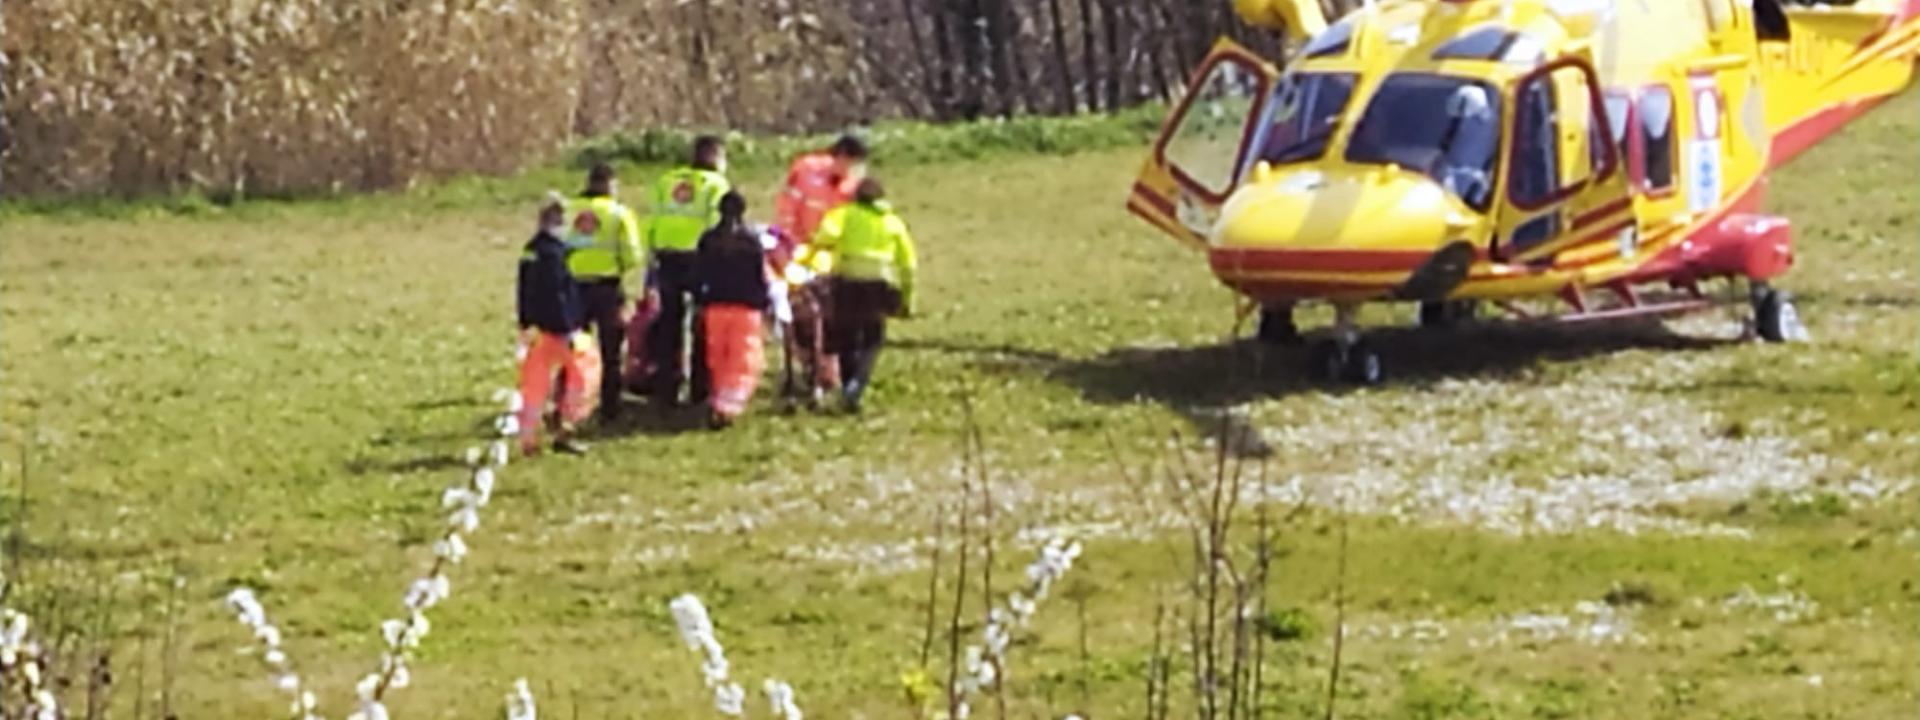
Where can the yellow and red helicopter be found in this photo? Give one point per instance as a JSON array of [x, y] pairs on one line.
[[1610, 153]]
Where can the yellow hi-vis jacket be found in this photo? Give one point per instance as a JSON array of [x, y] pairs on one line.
[[865, 241], [604, 242], [685, 203]]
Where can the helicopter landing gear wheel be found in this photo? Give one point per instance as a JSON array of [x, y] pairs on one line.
[[1447, 313], [1774, 317], [1345, 357], [1336, 362]]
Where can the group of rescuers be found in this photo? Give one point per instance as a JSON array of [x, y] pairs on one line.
[[599, 281]]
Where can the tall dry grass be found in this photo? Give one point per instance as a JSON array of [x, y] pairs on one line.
[[275, 97]]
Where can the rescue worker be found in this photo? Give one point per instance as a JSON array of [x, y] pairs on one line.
[[872, 265], [731, 272], [552, 315], [817, 182], [604, 249], [685, 203]]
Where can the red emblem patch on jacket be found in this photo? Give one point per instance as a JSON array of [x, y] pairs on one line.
[[586, 223]]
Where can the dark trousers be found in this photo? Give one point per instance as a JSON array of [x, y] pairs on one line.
[[667, 341], [604, 302], [857, 328]]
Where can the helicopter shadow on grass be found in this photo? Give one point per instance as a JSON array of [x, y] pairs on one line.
[[1203, 383]]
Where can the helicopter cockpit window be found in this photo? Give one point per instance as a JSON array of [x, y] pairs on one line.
[[1398, 128], [1656, 137], [1204, 148], [1331, 41], [1535, 176], [1303, 116], [1492, 44], [1561, 137], [1482, 44]]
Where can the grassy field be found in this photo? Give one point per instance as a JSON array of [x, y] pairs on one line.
[[1646, 521]]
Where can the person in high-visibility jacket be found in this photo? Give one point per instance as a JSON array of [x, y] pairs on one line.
[[817, 182], [685, 204], [604, 249], [866, 248], [552, 316]]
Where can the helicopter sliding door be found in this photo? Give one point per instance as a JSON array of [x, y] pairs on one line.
[[1565, 184], [1201, 153]]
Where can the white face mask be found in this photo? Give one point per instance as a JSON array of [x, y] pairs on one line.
[[720, 165], [558, 229]]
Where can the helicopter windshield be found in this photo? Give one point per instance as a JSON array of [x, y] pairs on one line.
[[1457, 149], [1304, 115]]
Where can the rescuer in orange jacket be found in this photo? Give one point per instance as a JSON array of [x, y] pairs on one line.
[[816, 183]]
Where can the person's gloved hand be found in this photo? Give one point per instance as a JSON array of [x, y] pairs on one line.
[[580, 341]]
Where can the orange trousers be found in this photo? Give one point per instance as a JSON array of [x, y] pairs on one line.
[[735, 355], [578, 366]]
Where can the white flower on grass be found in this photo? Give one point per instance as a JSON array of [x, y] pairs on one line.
[[45, 705], [780, 697], [715, 667], [520, 702], [465, 519], [458, 497], [730, 699], [1022, 607], [983, 662], [695, 626], [241, 600], [482, 486], [417, 627], [451, 548], [369, 710], [393, 631], [427, 592], [247, 609], [696, 629], [464, 503]]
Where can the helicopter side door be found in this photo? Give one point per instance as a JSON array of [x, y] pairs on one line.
[[1566, 186], [1202, 151]]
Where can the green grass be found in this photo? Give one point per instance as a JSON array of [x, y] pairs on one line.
[[270, 394]]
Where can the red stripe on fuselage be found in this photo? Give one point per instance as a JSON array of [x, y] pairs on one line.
[[1601, 213]]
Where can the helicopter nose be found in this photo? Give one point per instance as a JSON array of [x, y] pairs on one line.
[[1313, 232]]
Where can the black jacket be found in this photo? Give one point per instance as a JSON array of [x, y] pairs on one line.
[[549, 296], [731, 267]]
